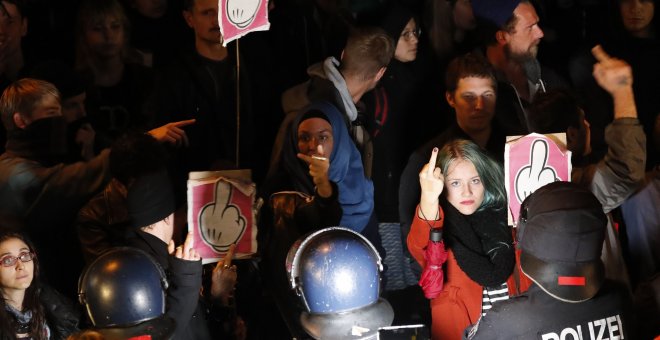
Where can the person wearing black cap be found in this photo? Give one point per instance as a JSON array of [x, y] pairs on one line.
[[150, 204], [561, 232], [511, 36], [620, 173]]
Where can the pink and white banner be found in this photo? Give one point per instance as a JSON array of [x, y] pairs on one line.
[[221, 213], [531, 162], [240, 17]]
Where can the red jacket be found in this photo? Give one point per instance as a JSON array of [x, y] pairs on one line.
[[459, 303]]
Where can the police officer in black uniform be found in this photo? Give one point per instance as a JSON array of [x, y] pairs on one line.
[[561, 233]]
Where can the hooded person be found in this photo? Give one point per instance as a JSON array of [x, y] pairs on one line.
[[561, 233], [354, 189], [319, 182], [150, 205]]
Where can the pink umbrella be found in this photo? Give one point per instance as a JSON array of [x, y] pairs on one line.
[[435, 255]]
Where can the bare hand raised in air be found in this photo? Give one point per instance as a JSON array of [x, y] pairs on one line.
[[432, 182]]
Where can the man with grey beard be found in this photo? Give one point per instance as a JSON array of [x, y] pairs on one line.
[[511, 36]]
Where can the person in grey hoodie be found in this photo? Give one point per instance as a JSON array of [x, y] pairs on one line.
[[342, 83]]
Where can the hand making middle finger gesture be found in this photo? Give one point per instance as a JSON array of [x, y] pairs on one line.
[[319, 166], [432, 183], [611, 73]]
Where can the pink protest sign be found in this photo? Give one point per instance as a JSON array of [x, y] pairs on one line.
[[531, 162], [220, 213], [240, 17]]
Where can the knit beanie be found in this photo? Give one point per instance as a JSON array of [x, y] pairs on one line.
[[150, 199], [496, 12]]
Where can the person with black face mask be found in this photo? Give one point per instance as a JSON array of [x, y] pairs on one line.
[[40, 193]]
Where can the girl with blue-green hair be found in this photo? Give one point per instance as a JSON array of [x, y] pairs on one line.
[[463, 194]]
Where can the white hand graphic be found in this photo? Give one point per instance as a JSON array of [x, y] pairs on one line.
[[221, 223], [536, 174], [241, 13]]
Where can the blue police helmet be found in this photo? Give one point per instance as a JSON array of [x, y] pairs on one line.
[[123, 292], [335, 270]]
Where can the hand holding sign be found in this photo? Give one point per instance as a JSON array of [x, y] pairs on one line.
[[224, 277], [185, 251], [221, 222], [536, 174]]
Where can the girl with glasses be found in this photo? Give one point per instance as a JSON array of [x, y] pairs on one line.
[[27, 309]]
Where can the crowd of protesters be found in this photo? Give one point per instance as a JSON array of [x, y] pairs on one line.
[[108, 105]]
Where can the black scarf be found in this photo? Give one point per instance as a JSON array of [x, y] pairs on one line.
[[482, 244], [44, 141]]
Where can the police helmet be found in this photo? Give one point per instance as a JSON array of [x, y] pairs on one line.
[[336, 273], [123, 292]]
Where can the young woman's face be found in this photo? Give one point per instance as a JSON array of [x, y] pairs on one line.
[[105, 38], [406, 47], [313, 132], [637, 16], [464, 188], [17, 276]]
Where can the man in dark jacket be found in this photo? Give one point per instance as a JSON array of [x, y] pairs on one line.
[[41, 193], [511, 33], [150, 204], [205, 82], [561, 232], [35, 188]]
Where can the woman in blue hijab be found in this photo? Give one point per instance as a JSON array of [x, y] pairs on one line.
[[323, 125], [318, 182]]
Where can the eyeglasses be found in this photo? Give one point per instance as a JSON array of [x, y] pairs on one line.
[[409, 34], [10, 260]]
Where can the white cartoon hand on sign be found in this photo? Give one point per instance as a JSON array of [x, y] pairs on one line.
[[241, 13], [536, 174], [221, 223]]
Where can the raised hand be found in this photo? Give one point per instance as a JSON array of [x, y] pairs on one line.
[[184, 251], [224, 277], [535, 174], [172, 133], [319, 166], [432, 182], [612, 74], [615, 76]]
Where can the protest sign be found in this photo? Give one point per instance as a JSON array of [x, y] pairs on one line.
[[221, 212], [531, 162]]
